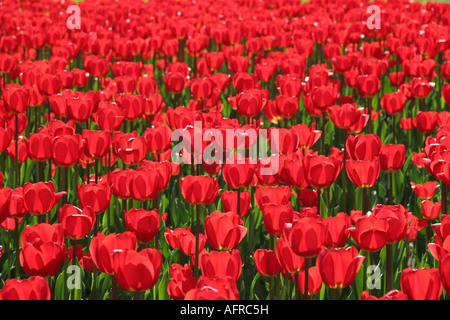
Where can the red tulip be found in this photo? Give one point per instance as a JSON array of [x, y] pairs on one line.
[[44, 232], [174, 82], [199, 190], [344, 116], [392, 157], [15, 207], [224, 230], [280, 195], [324, 97], [424, 191], [131, 149], [158, 139], [426, 121], [363, 173], [294, 173], [230, 202], [336, 234], [393, 103], [109, 116], [126, 84], [184, 239], [421, 88], [79, 107], [307, 136], [363, 147], [40, 198], [266, 262], [338, 267], [391, 295], [396, 216], [94, 195], [66, 150], [221, 263], [76, 223], [181, 281], [421, 284], [137, 271], [39, 146], [314, 281], [39, 258], [289, 261], [145, 184], [430, 210], [286, 106], [442, 229], [16, 98], [34, 288], [201, 88], [251, 103], [5, 195], [214, 288], [49, 84], [322, 171], [6, 136], [444, 269], [144, 224], [305, 236], [103, 247], [407, 123], [367, 85], [96, 143], [275, 216], [370, 233]]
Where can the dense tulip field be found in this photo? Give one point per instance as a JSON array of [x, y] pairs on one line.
[[224, 149]]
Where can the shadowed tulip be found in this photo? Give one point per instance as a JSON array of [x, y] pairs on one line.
[[338, 267], [392, 157], [305, 236], [224, 230], [41, 197], [76, 223], [230, 202], [34, 288], [214, 288], [370, 233], [221, 263], [184, 240], [181, 281], [199, 190], [421, 284], [266, 262], [144, 224], [137, 271], [94, 195], [102, 248]]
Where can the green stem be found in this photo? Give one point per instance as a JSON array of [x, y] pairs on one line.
[[388, 267], [74, 261], [17, 242], [197, 240], [306, 294], [114, 288]]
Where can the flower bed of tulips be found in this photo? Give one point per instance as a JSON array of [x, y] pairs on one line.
[[97, 203]]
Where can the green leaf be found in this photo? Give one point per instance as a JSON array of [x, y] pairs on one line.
[[252, 287], [59, 287]]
